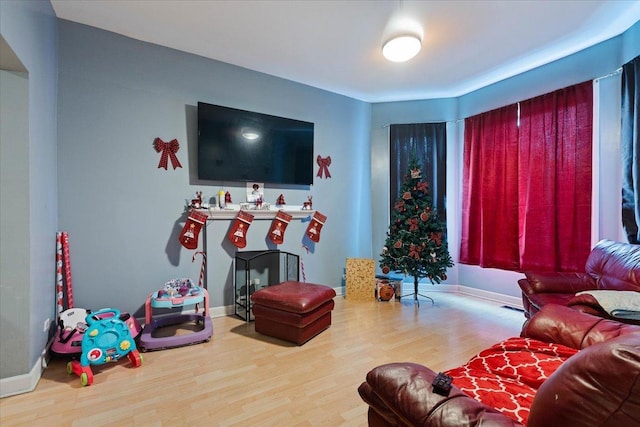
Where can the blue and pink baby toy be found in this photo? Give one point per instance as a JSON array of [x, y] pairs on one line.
[[106, 339]]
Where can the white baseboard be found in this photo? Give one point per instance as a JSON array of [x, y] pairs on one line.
[[508, 300], [23, 383], [225, 310], [495, 297]]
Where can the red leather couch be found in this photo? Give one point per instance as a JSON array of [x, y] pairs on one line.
[[567, 369], [610, 266]]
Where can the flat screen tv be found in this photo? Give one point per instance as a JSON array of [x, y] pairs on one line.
[[238, 145]]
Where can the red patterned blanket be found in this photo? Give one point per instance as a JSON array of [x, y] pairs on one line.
[[507, 375]]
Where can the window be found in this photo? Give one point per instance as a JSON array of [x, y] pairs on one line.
[[428, 141], [527, 183]]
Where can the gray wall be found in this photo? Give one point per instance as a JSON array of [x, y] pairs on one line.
[[27, 286], [124, 215], [14, 244], [630, 42]]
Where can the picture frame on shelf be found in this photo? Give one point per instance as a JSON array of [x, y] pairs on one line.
[[255, 191]]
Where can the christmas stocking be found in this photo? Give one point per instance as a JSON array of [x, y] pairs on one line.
[[238, 233], [279, 224], [191, 230], [313, 230]]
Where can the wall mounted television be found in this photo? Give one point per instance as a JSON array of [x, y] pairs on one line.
[[238, 145]]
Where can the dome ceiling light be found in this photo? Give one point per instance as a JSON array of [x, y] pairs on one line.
[[402, 48]]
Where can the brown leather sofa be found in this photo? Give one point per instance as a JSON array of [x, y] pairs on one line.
[[599, 385], [610, 266]]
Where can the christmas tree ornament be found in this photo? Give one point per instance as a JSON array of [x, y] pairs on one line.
[[238, 233], [191, 230], [278, 226], [385, 292], [416, 240], [168, 150], [316, 224]]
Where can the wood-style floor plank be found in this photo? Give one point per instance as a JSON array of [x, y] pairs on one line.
[[241, 378]]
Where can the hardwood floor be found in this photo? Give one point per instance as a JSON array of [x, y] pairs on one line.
[[241, 378]]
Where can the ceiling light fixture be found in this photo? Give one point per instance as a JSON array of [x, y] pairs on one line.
[[402, 48]]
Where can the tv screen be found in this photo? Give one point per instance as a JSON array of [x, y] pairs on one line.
[[238, 145]]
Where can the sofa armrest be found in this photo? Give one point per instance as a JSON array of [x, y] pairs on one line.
[[402, 395], [575, 329], [563, 283]]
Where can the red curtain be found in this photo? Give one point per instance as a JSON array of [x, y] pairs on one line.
[[527, 190], [490, 190], [555, 183]]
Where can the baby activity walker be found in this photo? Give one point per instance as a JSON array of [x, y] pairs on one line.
[[106, 339], [177, 293]]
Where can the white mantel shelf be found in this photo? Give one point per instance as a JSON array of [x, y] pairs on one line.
[[231, 211]]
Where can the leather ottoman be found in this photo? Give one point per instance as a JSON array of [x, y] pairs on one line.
[[293, 311]]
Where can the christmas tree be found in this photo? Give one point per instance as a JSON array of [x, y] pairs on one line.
[[416, 241]]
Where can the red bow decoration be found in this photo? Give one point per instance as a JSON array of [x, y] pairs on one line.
[[436, 237], [414, 251], [324, 166], [169, 150]]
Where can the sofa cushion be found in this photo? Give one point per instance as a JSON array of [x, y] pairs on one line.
[[617, 304], [540, 300], [563, 325], [606, 375], [507, 375], [293, 297], [552, 282]]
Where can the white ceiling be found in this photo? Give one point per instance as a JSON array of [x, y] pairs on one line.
[[336, 44]]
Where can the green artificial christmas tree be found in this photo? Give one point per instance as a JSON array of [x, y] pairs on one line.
[[416, 242]]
